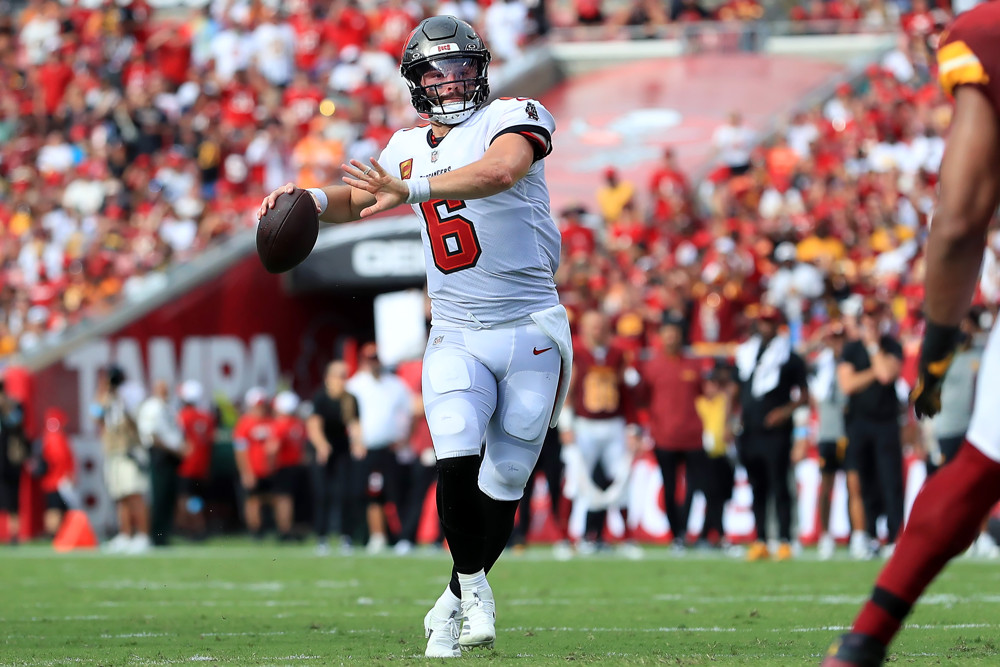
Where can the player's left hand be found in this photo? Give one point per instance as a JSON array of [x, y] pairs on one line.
[[926, 395], [389, 191], [936, 355]]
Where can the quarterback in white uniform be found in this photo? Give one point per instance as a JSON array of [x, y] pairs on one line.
[[499, 354]]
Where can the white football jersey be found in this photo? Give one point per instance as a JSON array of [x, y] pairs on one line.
[[488, 260]]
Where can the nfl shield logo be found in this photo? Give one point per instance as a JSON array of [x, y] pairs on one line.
[[434, 156], [437, 340]]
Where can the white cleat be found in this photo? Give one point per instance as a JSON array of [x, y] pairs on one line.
[[826, 546], [478, 619], [442, 636]]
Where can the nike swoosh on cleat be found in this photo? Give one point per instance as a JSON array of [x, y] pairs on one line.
[[537, 351]]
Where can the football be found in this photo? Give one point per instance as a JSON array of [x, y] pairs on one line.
[[287, 233]]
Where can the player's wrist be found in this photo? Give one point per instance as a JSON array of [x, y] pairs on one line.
[[940, 341], [419, 190], [321, 199]]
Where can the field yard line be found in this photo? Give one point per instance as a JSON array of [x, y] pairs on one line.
[[825, 628], [88, 617], [940, 599], [660, 630], [194, 658]]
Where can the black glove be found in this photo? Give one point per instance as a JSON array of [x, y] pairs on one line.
[[936, 354]]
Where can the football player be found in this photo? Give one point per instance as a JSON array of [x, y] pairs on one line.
[[499, 352], [948, 512], [600, 397]]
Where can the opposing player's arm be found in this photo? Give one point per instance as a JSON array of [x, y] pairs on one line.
[[970, 189]]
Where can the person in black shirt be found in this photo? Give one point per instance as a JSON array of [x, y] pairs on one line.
[[334, 432], [867, 374], [773, 384], [14, 451]]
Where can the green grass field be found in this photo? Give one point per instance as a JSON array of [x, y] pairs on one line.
[[237, 603]]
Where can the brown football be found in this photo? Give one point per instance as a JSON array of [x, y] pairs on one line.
[[287, 233]]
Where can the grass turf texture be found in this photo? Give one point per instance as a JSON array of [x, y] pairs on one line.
[[235, 603]]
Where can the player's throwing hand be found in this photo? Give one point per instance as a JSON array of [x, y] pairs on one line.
[[271, 200]]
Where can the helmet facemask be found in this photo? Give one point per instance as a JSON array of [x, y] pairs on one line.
[[448, 89]]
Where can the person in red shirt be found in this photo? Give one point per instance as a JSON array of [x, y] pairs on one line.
[[577, 238], [51, 81], [288, 440], [57, 470], [171, 46], [672, 382], [138, 72], [239, 102], [392, 26], [255, 464], [669, 188], [600, 396], [301, 101], [198, 427], [919, 20], [347, 25]]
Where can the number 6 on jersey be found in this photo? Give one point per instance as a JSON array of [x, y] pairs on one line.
[[454, 244]]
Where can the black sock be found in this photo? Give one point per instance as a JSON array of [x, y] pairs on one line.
[[461, 514], [499, 517]]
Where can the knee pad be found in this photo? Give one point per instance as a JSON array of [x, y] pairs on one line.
[[526, 409], [505, 480], [506, 469]]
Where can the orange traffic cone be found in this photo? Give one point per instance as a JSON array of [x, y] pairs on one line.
[[75, 533]]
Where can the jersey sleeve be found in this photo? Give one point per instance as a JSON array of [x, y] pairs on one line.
[[527, 117], [958, 64]]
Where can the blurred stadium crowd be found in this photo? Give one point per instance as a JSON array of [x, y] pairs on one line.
[[128, 143], [131, 140]]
